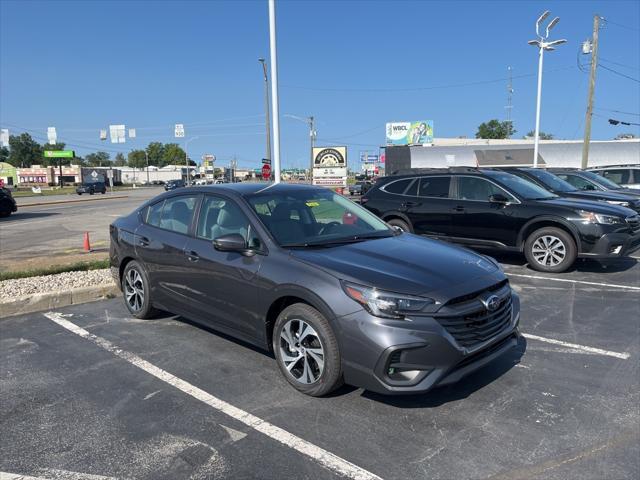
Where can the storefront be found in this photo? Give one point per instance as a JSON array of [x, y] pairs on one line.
[[8, 174]]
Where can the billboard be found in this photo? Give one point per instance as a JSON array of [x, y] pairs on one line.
[[330, 166], [410, 133]]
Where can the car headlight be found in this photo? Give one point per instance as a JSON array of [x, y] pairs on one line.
[[385, 304], [616, 202], [592, 217]]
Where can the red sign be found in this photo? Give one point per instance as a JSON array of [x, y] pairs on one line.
[[266, 171]]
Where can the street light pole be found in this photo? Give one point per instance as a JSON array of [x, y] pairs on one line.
[[274, 91], [146, 155], [542, 45], [266, 108]]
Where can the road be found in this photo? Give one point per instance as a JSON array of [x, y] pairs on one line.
[[41, 232], [89, 389]]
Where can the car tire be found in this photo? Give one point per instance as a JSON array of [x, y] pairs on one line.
[[5, 211], [401, 224], [318, 370], [136, 291], [91, 192], [79, 193], [550, 249]]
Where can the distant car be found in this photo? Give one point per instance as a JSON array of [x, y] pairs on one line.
[[7, 203], [173, 184], [91, 188], [560, 187], [624, 175], [587, 180], [359, 188]]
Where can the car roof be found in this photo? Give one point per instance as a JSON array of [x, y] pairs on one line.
[[249, 188]]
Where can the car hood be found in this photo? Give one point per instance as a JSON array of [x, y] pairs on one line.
[[594, 206], [408, 264], [599, 195]]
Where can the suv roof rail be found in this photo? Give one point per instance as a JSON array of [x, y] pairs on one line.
[[602, 167], [412, 171]]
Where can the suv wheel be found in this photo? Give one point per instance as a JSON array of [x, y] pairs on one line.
[[550, 249], [306, 350], [136, 291], [401, 224]]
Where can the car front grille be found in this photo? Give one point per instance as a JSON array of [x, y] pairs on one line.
[[634, 222], [471, 323]]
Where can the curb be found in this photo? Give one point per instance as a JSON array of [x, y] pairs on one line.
[[52, 300], [56, 202]]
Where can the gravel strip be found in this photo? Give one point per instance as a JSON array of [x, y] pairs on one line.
[[60, 282]]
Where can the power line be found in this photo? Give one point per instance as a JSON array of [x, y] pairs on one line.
[[620, 64], [617, 111], [621, 25], [618, 73], [415, 89]]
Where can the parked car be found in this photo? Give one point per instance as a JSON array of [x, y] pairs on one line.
[[493, 209], [8, 204], [557, 185], [91, 188], [334, 292], [173, 184], [627, 176], [359, 188], [586, 180]]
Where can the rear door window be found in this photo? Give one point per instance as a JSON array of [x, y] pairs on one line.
[[620, 176], [398, 187], [434, 187], [153, 214], [177, 213]]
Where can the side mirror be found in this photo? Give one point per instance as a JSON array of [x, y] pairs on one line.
[[498, 198], [233, 242]]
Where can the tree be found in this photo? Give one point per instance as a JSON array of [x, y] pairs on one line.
[[4, 154], [120, 161], [542, 135], [173, 155], [24, 151], [155, 150], [98, 159], [494, 129], [137, 159]]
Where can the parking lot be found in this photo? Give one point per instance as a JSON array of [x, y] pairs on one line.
[[89, 392]]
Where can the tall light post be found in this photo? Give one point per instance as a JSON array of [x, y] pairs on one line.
[[312, 136], [146, 156], [266, 107], [542, 45], [274, 91], [186, 154]]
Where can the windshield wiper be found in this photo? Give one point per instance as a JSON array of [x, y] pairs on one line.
[[336, 241]]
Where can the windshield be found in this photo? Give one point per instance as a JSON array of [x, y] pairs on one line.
[[522, 187], [602, 180], [550, 180], [309, 217]]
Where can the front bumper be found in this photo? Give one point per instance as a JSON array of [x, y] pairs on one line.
[[613, 245], [415, 355]]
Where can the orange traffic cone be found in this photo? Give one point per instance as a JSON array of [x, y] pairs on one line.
[[87, 244]]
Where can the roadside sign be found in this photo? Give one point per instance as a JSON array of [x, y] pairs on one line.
[[110, 174], [117, 133], [4, 137], [52, 135], [368, 158], [103, 134], [266, 161], [266, 171], [132, 133], [179, 130], [59, 154], [94, 174]]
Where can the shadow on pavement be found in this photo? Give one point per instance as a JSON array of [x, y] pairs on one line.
[[26, 216], [586, 265]]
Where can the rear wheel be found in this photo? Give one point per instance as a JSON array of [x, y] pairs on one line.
[[401, 224], [136, 291], [550, 249], [306, 350]]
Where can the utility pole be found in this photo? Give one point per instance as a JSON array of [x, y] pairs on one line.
[[509, 106], [146, 155], [592, 87], [312, 136], [266, 107]]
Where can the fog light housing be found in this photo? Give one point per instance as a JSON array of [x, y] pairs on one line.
[[615, 249]]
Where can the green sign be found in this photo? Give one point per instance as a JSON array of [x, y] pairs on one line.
[[59, 153]]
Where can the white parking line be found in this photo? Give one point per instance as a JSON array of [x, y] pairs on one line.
[[575, 346], [323, 457], [582, 282], [55, 474]]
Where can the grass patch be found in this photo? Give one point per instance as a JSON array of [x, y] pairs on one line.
[[79, 266]]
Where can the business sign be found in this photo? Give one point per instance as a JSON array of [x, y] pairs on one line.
[[410, 133], [117, 133], [179, 130], [330, 182], [368, 158], [59, 154], [329, 157], [330, 172]]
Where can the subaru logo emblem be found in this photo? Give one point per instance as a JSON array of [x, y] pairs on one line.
[[491, 303]]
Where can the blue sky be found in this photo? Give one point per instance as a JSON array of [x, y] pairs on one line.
[[354, 65]]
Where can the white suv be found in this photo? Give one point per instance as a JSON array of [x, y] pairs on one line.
[[627, 176]]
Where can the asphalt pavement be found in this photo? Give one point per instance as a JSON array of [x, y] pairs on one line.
[[88, 390]]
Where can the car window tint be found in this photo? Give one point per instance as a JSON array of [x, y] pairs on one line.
[[413, 188], [153, 214], [434, 187], [620, 176], [177, 213], [399, 186], [476, 188], [220, 216], [578, 182]]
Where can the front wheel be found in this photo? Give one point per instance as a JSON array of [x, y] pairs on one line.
[[307, 351], [136, 291], [401, 224], [550, 250]]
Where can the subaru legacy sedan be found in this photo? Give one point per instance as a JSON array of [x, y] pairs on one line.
[[336, 293]]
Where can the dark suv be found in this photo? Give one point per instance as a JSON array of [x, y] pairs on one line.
[[173, 184], [560, 187], [591, 181], [91, 188], [7, 203], [494, 209]]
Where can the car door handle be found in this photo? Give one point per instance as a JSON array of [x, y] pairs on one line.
[[143, 241], [409, 204], [459, 208], [193, 256]]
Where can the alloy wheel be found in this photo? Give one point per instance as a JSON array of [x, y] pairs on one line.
[[301, 351], [134, 289], [549, 250]]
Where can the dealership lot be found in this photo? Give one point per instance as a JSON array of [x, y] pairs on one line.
[[125, 398]]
